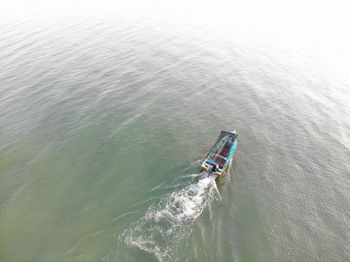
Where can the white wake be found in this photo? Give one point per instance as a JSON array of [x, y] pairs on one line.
[[170, 220]]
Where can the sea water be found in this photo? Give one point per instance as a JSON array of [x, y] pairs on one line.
[[104, 121]]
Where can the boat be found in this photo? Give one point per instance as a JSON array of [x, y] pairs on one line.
[[220, 156]]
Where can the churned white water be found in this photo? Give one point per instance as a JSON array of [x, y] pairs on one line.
[[170, 220]]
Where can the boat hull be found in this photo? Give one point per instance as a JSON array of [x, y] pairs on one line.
[[219, 158]]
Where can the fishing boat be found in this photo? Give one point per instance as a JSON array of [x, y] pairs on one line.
[[219, 158]]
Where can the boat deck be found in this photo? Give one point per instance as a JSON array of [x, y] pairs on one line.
[[220, 152]]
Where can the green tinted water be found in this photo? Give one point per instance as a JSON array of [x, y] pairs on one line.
[[104, 123]]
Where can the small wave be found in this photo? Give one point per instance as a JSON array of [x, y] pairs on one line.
[[170, 220]]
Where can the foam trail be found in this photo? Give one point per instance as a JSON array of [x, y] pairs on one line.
[[164, 224]]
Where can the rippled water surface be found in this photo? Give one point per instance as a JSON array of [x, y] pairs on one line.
[[103, 125]]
